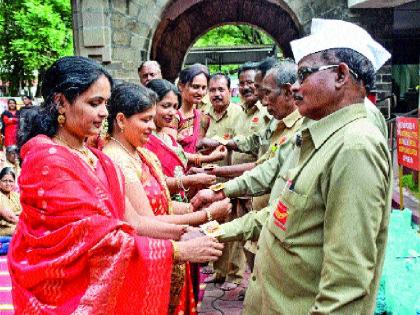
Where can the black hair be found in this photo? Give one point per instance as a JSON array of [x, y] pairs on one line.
[[27, 96], [266, 64], [7, 171], [129, 99], [71, 76], [220, 75], [356, 62], [11, 149], [11, 100], [162, 87], [187, 75], [246, 67]]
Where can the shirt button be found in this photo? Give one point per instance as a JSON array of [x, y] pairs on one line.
[[258, 247], [254, 278]]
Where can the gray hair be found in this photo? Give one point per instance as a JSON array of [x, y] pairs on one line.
[[356, 62], [285, 71], [149, 63]]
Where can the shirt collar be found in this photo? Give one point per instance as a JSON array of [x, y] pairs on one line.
[[322, 129], [213, 115], [291, 119]]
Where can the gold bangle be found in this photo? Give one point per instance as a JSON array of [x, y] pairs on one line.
[[176, 254], [209, 216]]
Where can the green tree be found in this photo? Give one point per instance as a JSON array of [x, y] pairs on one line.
[[232, 35], [33, 34]]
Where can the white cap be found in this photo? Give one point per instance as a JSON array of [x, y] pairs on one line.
[[327, 34]]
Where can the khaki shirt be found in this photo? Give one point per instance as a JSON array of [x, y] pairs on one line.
[[322, 239], [256, 121], [225, 126], [275, 137]]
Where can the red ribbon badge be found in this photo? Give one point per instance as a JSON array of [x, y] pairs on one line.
[[280, 215], [255, 119]]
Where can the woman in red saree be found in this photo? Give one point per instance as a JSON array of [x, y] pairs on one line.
[[190, 121], [172, 156], [72, 251], [130, 124], [10, 120]]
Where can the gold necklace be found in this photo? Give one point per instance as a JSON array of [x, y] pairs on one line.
[[135, 157], [85, 152]]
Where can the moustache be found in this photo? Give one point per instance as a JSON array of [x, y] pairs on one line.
[[298, 97], [217, 98], [248, 91]]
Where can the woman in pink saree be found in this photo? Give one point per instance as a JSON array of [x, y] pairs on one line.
[[73, 251]]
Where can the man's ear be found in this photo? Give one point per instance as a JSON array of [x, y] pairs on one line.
[[343, 74], [287, 90]]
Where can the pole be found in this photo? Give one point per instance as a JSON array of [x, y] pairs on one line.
[[400, 176]]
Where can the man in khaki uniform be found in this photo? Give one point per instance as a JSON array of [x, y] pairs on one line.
[[224, 118], [322, 239]]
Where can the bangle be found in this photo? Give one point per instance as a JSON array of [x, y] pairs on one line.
[[197, 160], [176, 254], [209, 216]]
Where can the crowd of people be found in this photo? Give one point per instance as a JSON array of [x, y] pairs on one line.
[[295, 183]]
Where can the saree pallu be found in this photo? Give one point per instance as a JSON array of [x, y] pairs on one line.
[[182, 301], [189, 141], [71, 252]]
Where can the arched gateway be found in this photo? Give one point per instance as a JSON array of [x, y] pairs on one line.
[[122, 33]]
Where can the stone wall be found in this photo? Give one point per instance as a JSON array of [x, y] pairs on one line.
[[122, 33]]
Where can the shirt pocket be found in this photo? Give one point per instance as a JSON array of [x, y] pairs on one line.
[[285, 219]]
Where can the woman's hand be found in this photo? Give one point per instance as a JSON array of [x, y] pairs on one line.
[[200, 249], [9, 216], [220, 210], [200, 180], [219, 153]]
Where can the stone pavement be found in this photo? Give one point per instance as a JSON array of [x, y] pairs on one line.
[[219, 302]]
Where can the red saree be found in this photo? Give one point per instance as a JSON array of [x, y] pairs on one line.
[[71, 252], [188, 139], [10, 127], [170, 161], [182, 295]]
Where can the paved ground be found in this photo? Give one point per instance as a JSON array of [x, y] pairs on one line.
[[219, 302]]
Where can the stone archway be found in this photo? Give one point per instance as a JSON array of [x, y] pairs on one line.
[[184, 21]]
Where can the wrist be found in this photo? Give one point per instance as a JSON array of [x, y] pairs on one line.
[[176, 254], [209, 215]]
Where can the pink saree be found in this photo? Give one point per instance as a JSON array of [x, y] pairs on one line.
[[188, 137], [71, 252]]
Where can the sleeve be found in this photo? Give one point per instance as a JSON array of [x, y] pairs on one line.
[[247, 227], [10, 121], [248, 144], [255, 182], [356, 193], [131, 172]]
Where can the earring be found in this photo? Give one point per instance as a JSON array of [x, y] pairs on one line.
[[61, 120], [122, 129]]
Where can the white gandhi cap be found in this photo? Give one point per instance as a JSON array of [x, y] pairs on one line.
[[327, 34]]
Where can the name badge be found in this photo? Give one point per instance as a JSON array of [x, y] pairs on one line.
[[280, 215]]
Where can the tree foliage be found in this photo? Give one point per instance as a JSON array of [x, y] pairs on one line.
[[33, 34], [234, 35]]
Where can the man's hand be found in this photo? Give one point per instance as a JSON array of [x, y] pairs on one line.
[[200, 180], [207, 143], [206, 196], [220, 210], [192, 233]]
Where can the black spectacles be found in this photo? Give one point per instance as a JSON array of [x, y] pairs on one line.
[[305, 72]]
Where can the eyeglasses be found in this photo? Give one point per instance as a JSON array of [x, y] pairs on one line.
[[305, 72]]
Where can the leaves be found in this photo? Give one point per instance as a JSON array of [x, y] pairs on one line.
[[33, 34], [234, 35]]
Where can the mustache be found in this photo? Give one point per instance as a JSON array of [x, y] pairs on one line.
[[298, 97], [246, 91], [217, 98]]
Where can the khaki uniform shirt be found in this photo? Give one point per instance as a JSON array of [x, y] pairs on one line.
[[322, 239], [267, 142], [225, 126], [256, 121]]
